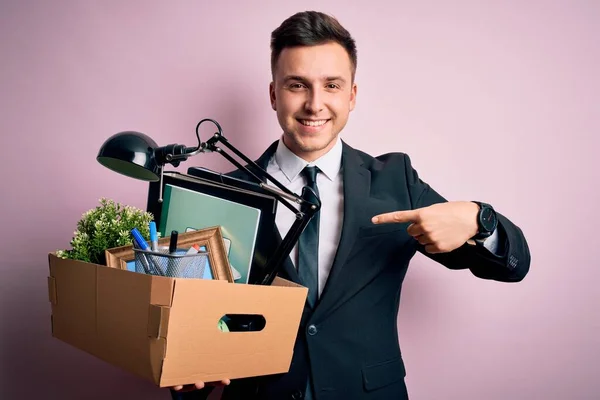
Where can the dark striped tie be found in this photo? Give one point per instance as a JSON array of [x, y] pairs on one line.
[[308, 254], [308, 245]]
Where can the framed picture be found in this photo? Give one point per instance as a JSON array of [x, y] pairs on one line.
[[208, 239]]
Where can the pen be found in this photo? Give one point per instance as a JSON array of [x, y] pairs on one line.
[[173, 242], [153, 236], [172, 263]]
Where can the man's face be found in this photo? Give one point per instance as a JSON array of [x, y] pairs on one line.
[[313, 93]]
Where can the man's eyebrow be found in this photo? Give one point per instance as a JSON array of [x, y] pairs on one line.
[[335, 78], [302, 79], [293, 78]]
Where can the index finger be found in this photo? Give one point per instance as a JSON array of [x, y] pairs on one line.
[[190, 387], [396, 217]]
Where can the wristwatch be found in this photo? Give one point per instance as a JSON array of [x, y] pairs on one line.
[[487, 221]]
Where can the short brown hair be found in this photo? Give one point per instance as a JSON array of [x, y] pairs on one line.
[[310, 28]]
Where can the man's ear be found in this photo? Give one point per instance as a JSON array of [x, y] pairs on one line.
[[353, 96], [272, 95]]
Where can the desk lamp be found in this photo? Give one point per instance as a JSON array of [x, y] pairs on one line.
[[136, 155]]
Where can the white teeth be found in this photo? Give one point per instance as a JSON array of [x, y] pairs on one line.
[[313, 123]]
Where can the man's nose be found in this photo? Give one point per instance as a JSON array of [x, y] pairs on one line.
[[314, 102]]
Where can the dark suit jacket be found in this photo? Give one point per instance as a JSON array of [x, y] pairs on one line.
[[349, 341]]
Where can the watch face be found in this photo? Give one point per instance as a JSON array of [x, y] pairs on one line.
[[488, 219]]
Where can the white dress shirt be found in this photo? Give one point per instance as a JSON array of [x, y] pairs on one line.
[[286, 167]]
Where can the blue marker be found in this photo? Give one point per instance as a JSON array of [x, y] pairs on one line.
[[153, 236], [139, 239], [141, 242]]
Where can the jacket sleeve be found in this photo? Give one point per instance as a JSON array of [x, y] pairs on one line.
[[509, 264]]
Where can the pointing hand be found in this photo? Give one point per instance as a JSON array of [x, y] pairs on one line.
[[440, 227]]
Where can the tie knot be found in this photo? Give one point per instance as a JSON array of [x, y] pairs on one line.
[[311, 175]]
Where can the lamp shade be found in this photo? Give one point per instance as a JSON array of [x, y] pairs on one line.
[[132, 154]]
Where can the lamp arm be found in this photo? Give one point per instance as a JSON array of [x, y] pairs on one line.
[[218, 137], [290, 239], [174, 154], [284, 195]]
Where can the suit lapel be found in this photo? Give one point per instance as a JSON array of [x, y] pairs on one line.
[[357, 184]]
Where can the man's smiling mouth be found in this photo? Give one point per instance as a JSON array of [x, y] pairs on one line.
[[310, 122]]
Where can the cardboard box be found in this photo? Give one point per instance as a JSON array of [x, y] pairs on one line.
[[165, 329]]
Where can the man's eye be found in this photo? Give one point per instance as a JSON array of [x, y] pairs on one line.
[[296, 86], [332, 86]]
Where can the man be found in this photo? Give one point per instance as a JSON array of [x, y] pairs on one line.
[[376, 213]]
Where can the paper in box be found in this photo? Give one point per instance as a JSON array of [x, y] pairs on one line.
[[165, 329]]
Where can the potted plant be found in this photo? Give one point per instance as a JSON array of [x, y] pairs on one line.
[[107, 226]]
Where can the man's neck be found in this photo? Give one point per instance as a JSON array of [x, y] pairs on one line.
[[311, 156]]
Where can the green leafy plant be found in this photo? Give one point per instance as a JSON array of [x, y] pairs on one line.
[[106, 226]]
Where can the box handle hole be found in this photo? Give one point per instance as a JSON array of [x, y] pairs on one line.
[[242, 323]]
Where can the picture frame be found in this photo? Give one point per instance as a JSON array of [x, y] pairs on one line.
[[209, 239]]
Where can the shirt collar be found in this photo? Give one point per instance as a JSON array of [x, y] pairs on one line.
[[291, 165]]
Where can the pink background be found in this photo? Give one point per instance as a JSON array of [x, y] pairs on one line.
[[493, 102]]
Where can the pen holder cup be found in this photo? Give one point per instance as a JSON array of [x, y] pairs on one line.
[[171, 265]]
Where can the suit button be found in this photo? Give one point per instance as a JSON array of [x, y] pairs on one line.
[[312, 330], [297, 395]]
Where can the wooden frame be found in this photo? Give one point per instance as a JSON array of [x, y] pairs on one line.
[[210, 238]]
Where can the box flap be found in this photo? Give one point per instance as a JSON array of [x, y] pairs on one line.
[[158, 320], [52, 290], [198, 351], [107, 313], [72, 286], [124, 313]]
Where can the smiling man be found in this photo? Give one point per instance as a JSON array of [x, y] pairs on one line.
[[376, 214]]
